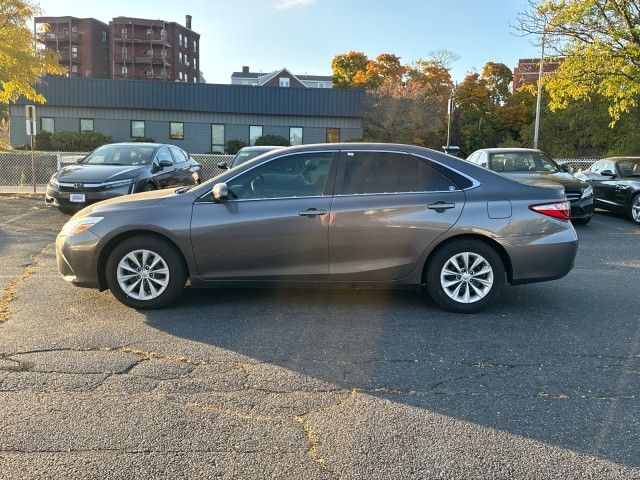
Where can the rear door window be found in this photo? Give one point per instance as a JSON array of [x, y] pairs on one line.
[[178, 155], [389, 172]]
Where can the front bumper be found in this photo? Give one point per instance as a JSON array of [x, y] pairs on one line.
[[77, 260], [57, 198], [582, 209], [540, 258]]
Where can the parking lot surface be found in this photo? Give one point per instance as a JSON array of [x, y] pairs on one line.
[[318, 384]]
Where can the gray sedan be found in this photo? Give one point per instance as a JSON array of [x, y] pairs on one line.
[[356, 215]]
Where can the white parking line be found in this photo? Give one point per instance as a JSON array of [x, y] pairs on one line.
[[18, 217]]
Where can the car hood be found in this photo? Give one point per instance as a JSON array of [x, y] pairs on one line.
[[98, 173], [567, 180]]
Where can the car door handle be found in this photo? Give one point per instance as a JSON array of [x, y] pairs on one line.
[[441, 206], [312, 212]]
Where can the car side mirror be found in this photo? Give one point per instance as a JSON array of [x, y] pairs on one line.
[[220, 192], [223, 166], [165, 163], [565, 168], [607, 173]]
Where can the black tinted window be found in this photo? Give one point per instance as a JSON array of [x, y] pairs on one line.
[[302, 175], [178, 155], [382, 172]]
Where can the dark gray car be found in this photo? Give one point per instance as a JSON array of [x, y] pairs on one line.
[[357, 215]]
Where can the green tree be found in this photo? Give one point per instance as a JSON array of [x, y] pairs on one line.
[[600, 40], [233, 146], [21, 64]]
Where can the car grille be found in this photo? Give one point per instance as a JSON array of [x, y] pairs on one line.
[[573, 196]]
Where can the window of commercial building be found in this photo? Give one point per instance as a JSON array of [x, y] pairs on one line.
[[47, 124], [137, 129], [284, 81], [295, 135], [255, 132], [333, 135], [217, 138], [86, 125], [176, 131]]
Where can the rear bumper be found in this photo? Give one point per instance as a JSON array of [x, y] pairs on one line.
[[542, 257], [77, 260]]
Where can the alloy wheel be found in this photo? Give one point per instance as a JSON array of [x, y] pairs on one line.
[[466, 277], [635, 209], [143, 274]]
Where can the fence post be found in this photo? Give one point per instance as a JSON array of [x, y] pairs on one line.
[[58, 164]]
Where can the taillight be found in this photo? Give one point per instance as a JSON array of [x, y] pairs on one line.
[[560, 210]]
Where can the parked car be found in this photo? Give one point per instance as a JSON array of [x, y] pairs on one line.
[[525, 164], [245, 154], [119, 169], [356, 215], [616, 185]]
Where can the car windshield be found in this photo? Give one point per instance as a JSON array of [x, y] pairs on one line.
[[121, 155], [629, 167], [523, 162], [244, 156]]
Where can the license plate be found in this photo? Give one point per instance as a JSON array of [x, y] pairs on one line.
[[77, 197]]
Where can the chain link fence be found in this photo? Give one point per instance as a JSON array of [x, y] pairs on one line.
[[16, 167]]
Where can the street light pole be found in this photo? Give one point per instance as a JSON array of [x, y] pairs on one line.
[[449, 112], [539, 99]]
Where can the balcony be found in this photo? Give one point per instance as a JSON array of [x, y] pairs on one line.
[[53, 37], [141, 39]]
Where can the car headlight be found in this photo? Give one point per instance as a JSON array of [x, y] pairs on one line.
[[54, 181], [118, 183], [587, 192], [76, 226]]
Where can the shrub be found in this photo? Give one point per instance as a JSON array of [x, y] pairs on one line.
[[43, 142], [233, 146], [272, 140], [77, 142]]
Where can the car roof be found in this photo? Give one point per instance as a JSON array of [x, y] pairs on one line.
[[618, 159], [261, 148], [510, 150]]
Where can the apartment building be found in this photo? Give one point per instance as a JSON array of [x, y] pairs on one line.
[[528, 70], [82, 44]]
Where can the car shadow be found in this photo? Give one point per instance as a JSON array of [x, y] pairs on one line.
[[534, 365]]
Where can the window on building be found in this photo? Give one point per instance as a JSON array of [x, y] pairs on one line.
[[180, 76], [137, 129], [74, 52], [47, 124], [149, 32], [195, 46], [385, 172], [86, 125], [179, 57], [180, 39], [186, 42], [295, 135], [255, 132], [124, 32], [124, 52], [284, 81], [217, 138], [333, 135], [104, 36], [74, 70], [186, 60], [176, 131], [125, 71], [195, 63]]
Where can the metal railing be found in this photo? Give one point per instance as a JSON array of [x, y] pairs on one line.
[[16, 169]]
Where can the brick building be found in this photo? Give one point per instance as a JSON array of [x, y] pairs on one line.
[[82, 43], [528, 70], [144, 49], [131, 48]]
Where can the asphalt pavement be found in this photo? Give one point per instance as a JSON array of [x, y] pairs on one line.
[[318, 384]]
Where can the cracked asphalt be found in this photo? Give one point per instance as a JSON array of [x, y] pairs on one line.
[[318, 384]]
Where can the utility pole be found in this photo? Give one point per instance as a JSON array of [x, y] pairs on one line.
[[539, 99], [449, 112]]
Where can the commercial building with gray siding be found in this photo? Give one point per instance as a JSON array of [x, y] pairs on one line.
[[197, 117]]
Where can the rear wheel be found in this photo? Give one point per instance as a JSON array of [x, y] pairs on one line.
[[634, 211], [145, 272], [465, 276], [149, 187]]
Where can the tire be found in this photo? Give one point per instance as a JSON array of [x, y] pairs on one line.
[[168, 286], [581, 221], [149, 187], [635, 203], [479, 294]]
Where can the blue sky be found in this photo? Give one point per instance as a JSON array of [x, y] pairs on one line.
[[304, 35]]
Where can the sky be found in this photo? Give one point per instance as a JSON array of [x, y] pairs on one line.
[[304, 35]]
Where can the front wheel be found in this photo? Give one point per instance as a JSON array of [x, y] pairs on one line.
[[145, 272], [465, 276], [635, 209]]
